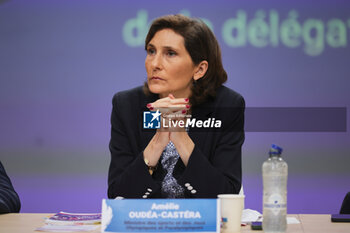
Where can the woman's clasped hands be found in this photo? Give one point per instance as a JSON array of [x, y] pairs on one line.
[[174, 114]]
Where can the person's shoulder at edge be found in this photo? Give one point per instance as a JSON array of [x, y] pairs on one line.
[[9, 199], [229, 97]]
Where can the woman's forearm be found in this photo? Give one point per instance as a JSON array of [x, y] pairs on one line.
[[155, 147], [184, 145]]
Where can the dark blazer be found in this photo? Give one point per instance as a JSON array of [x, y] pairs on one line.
[[214, 166], [9, 200]]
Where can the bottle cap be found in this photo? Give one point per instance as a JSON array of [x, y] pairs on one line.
[[275, 150]]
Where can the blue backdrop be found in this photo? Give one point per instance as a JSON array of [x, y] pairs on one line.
[[61, 62]]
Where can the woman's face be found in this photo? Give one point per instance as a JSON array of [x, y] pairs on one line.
[[169, 66]]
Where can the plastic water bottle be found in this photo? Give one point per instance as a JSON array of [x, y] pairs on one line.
[[275, 173]]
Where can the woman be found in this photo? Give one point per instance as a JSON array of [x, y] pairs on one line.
[[184, 75]]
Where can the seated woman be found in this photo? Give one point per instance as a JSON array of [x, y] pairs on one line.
[[184, 75]]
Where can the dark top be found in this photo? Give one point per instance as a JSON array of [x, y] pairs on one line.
[[9, 200], [214, 166]]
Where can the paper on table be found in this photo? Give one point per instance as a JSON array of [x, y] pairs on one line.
[[64, 218], [53, 228], [249, 216], [292, 220]]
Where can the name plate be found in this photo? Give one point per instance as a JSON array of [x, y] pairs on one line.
[[160, 215]]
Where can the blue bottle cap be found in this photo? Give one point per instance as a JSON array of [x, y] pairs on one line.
[[275, 150]]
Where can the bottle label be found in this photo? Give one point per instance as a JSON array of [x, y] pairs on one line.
[[275, 203]]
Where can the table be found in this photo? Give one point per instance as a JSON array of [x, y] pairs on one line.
[[310, 223]]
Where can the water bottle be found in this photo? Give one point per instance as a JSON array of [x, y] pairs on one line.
[[275, 172]]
